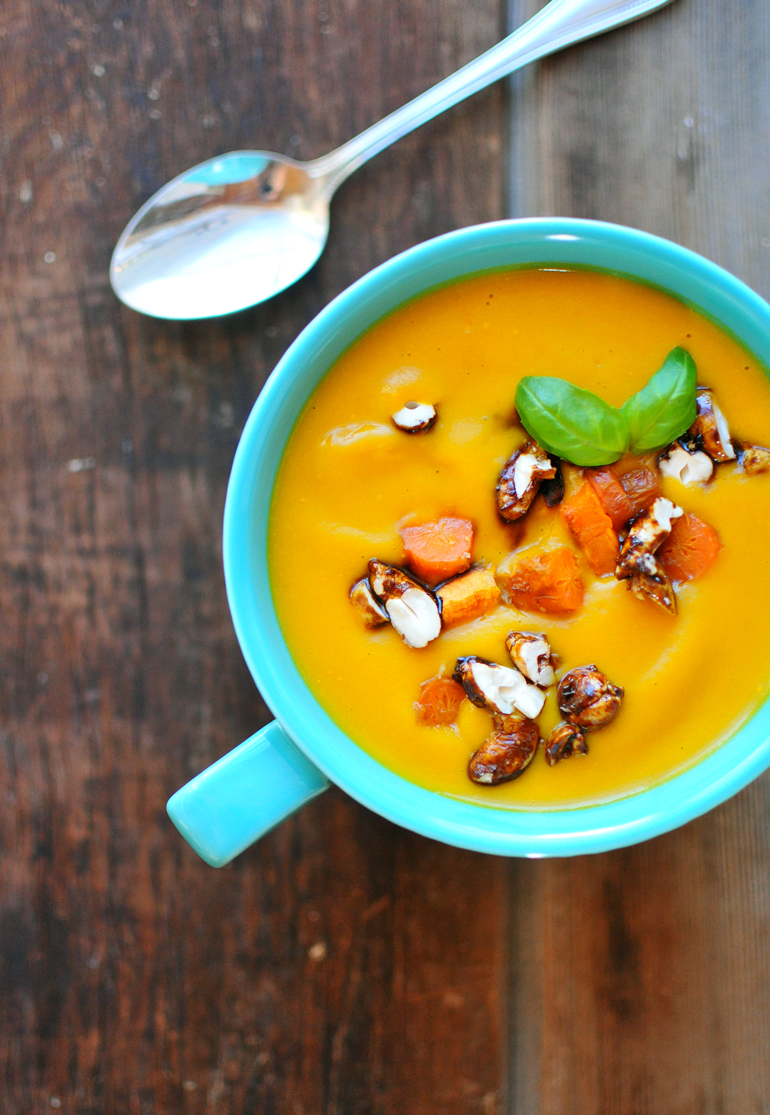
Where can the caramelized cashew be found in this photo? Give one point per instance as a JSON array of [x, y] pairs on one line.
[[710, 427], [498, 688], [506, 753], [531, 654], [588, 698], [566, 739], [411, 609], [520, 480]]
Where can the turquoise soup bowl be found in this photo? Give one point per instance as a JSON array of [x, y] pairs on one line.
[[230, 805]]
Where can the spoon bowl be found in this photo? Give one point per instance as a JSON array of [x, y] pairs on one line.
[[227, 234]]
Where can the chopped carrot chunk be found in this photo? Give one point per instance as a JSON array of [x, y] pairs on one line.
[[612, 495], [642, 487], [549, 582], [592, 527], [468, 597], [690, 549], [439, 702], [438, 550]]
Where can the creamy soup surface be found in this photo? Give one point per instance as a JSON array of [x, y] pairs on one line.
[[349, 479]]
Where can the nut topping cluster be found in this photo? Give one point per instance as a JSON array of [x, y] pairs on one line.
[[566, 739], [390, 594], [499, 689], [514, 699], [530, 652], [755, 460], [710, 427], [520, 480], [622, 524], [637, 562], [587, 699], [367, 605], [686, 463], [411, 609], [506, 753], [415, 418]]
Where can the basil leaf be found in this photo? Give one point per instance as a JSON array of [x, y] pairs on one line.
[[570, 422], [665, 408]]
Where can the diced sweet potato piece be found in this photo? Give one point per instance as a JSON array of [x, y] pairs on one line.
[[439, 549], [592, 528], [439, 702], [642, 487], [690, 549], [468, 597], [612, 495], [547, 582]]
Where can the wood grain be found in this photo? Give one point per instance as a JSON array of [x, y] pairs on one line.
[[342, 966], [647, 991]]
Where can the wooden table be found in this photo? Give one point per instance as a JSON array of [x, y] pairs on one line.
[[343, 966]]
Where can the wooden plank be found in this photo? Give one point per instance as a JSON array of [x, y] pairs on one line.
[[342, 965], [640, 982]]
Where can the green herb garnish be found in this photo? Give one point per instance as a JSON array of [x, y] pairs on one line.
[[665, 408], [580, 427], [570, 422]]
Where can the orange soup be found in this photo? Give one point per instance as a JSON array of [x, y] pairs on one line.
[[350, 480]]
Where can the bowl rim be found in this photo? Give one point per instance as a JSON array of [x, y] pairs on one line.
[[502, 830]]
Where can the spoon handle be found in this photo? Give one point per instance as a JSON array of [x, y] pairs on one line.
[[557, 25]]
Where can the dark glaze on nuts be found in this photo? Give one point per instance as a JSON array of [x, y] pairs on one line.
[[515, 642], [637, 563], [463, 673], [552, 490], [691, 442], [414, 611], [511, 506], [654, 586], [645, 534], [565, 740], [691, 445], [387, 581], [506, 753], [367, 605], [754, 459], [687, 442], [588, 698], [706, 430]]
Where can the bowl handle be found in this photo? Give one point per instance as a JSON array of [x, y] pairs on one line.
[[244, 794]]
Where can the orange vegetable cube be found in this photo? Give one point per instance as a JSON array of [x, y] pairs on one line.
[[642, 487], [468, 597], [690, 549], [612, 495], [438, 550], [547, 582], [439, 702], [593, 530]]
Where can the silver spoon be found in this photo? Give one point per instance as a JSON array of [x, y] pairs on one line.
[[239, 228]]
